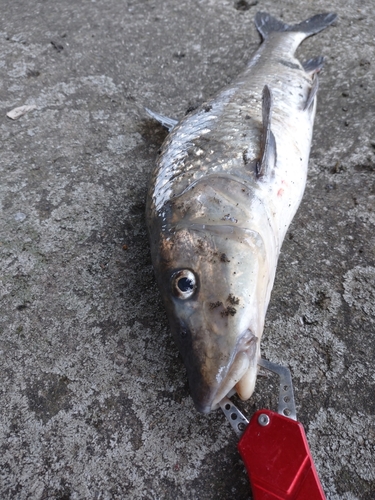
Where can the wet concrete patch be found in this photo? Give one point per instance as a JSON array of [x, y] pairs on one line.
[[47, 395]]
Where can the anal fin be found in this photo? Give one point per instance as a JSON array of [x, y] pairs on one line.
[[168, 123]]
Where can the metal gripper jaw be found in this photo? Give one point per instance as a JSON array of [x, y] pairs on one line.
[[286, 405]]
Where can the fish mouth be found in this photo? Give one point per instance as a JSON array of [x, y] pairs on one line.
[[239, 375]]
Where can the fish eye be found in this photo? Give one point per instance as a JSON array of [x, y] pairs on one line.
[[184, 284]]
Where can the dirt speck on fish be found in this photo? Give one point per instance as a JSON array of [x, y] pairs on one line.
[[228, 182]]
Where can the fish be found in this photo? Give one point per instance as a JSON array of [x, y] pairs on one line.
[[226, 185]]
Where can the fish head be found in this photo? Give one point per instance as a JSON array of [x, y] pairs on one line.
[[214, 282]]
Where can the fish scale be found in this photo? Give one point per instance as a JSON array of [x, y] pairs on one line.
[[225, 188]]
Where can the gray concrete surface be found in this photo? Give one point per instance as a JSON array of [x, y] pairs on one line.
[[94, 400]]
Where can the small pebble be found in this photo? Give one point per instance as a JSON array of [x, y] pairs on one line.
[[19, 216]]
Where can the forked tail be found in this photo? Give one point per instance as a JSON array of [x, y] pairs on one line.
[[266, 24]]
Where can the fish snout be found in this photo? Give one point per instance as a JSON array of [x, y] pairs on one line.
[[241, 369], [212, 375]]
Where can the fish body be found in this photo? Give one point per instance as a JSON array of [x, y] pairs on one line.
[[225, 188]]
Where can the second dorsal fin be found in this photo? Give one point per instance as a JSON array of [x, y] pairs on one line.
[[267, 160], [314, 65]]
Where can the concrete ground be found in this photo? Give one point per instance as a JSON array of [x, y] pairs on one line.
[[94, 400]]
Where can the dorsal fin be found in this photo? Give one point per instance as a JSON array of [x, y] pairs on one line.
[[267, 158], [312, 93], [168, 123]]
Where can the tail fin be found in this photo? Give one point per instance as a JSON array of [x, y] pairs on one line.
[[266, 24]]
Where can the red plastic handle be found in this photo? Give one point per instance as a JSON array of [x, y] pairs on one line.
[[278, 459]]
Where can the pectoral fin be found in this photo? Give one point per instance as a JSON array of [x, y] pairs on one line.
[[267, 160], [168, 123]]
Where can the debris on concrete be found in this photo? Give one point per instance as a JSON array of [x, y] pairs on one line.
[[16, 113]]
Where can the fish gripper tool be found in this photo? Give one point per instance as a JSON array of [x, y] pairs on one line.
[[274, 447]]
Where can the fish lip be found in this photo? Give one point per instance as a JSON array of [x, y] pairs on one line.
[[244, 344], [204, 409], [245, 341]]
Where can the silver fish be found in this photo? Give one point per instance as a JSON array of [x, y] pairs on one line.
[[225, 188]]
